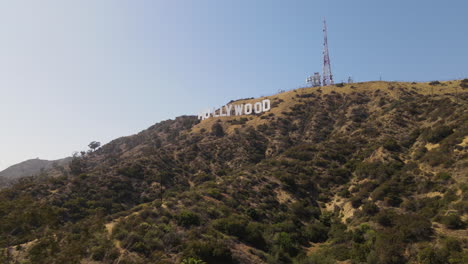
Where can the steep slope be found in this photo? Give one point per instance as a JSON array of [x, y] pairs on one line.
[[29, 168], [369, 172]]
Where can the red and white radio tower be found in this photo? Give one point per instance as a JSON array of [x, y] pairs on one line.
[[327, 74]]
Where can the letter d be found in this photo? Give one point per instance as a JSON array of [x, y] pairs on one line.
[[266, 105]]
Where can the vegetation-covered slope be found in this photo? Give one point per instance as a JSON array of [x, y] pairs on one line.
[[357, 173]]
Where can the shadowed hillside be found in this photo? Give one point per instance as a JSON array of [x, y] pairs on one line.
[[359, 173]]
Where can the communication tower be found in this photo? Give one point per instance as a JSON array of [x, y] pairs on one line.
[[327, 73]]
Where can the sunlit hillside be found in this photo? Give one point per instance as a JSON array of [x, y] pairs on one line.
[[371, 172]]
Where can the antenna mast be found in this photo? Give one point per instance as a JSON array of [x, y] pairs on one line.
[[327, 74]]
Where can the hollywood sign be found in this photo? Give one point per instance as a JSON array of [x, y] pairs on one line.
[[237, 109]]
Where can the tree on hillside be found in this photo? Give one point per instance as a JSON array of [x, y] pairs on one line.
[[77, 164], [94, 145], [217, 130]]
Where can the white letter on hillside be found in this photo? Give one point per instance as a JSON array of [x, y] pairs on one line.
[[204, 114], [266, 105], [214, 112], [249, 111], [221, 111], [238, 109], [258, 107], [228, 109]]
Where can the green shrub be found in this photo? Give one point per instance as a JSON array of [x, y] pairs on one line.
[[303, 152], [413, 227], [302, 211], [438, 157], [255, 214], [451, 252], [391, 145], [356, 201], [340, 175], [192, 261], [452, 245], [388, 249], [338, 233], [211, 251], [419, 152], [98, 253], [135, 171], [359, 253], [340, 252], [215, 193], [140, 247], [188, 218], [377, 170], [254, 235], [430, 255], [385, 218], [288, 180], [381, 191], [344, 193], [317, 232], [233, 225], [393, 200], [77, 164], [284, 242], [443, 176], [453, 221], [217, 130], [370, 209], [435, 135], [204, 177]]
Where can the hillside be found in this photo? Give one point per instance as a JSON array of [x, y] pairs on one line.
[[29, 168], [370, 172]]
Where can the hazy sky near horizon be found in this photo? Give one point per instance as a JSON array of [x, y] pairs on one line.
[[76, 71]]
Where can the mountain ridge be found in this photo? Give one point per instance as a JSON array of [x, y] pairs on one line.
[[29, 167]]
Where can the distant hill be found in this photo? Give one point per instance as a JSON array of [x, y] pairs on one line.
[[29, 168], [373, 172]]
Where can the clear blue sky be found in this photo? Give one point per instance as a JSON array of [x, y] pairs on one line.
[[76, 71]]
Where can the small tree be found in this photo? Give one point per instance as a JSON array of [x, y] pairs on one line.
[[94, 145]]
